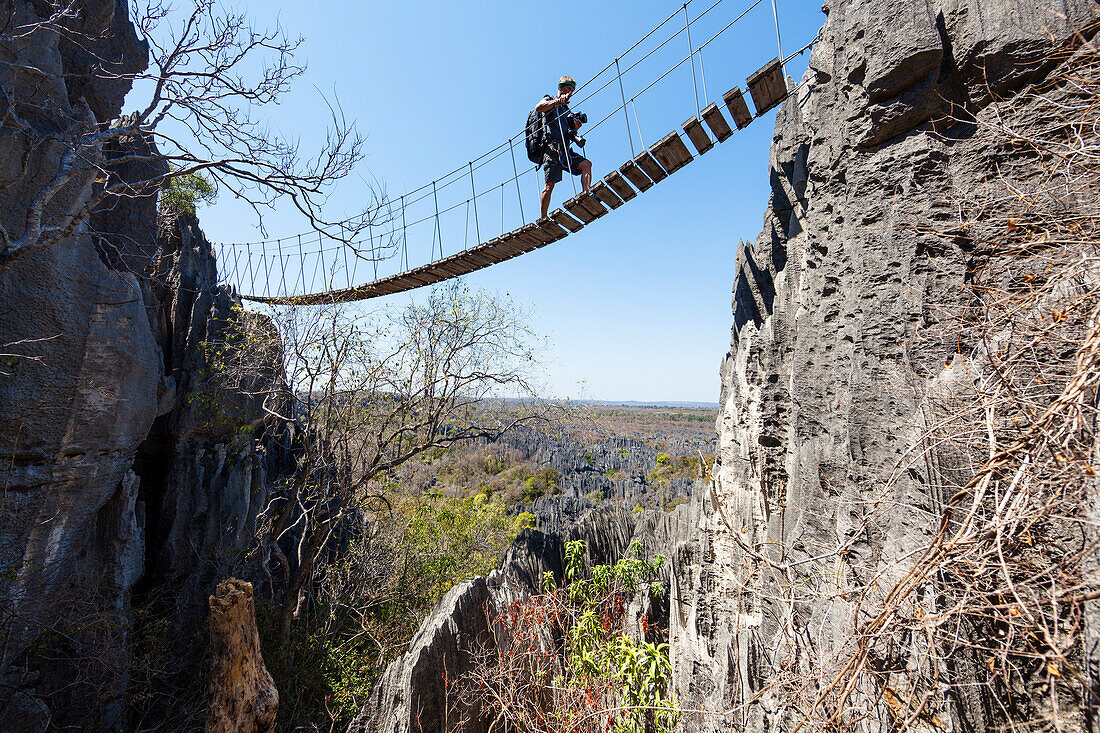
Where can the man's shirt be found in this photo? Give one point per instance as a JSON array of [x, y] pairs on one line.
[[557, 121]]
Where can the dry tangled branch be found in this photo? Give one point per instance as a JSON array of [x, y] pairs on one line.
[[207, 72]]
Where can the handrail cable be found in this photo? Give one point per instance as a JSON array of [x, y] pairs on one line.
[[591, 128], [442, 182], [388, 238]]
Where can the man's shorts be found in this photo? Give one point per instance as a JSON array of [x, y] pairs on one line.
[[555, 163]]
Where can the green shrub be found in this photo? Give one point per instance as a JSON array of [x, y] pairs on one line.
[[545, 482], [607, 678]]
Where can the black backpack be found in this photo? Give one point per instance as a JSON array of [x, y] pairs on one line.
[[536, 136]]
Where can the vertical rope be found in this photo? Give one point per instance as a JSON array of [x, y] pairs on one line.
[[626, 115], [778, 40], [373, 256], [347, 273], [466, 229], [703, 76], [639, 124], [301, 264], [263, 256], [691, 59], [236, 276], [270, 264], [313, 280], [438, 230], [473, 193], [404, 234], [515, 173], [502, 209], [282, 269], [355, 264], [251, 280]]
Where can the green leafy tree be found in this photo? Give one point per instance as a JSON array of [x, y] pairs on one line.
[[184, 192]]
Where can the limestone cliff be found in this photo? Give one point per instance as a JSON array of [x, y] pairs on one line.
[[121, 459], [824, 390]]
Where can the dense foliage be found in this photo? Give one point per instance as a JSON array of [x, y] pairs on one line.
[[569, 662]]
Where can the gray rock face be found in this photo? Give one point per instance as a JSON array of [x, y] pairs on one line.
[[79, 384], [123, 464], [204, 466], [821, 392], [410, 696]]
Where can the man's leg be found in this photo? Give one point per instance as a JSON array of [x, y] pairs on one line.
[[544, 199], [586, 175]]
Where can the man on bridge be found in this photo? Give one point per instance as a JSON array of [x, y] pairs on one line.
[[561, 130]]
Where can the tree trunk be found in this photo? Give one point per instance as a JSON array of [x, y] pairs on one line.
[[292, 603], [243, 698]]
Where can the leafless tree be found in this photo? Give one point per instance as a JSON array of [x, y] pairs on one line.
[[209, 73], [370, 395]]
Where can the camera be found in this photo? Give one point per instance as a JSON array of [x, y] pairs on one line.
[[579, 116]]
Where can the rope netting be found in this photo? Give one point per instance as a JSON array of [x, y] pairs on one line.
[[497, 192]]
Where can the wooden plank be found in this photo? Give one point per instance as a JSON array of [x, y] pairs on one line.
[[524, 239], [504, 252], [448, 266], [472, 256], [410, 283], [636, 175], [693, 128], [619, 185], [428, 275], [606, 195], [567, 221], [485, 252], [735, 103], [717, 123], [663, 155], [683, 155], [493, 247], [551, 231], [591, 204], [768, 86], [438, 275], [537, 234], [672, 153], [574, 208], [406, 276], [465, 265], [549, 225], [389, 287], [397, 285], [651, 167], [509, 244]]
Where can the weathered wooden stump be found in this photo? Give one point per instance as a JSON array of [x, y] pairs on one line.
[[243, 698]]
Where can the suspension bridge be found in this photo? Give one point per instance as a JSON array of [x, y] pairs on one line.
[[285, 271]]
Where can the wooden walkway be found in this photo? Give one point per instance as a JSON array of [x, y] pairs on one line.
[[768, 87]]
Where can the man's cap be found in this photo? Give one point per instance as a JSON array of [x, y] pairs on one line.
[[566, 81]]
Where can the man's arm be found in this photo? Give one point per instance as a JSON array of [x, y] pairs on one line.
[[548, 104]]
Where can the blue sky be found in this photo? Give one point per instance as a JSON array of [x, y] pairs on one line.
[[636, 306]]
